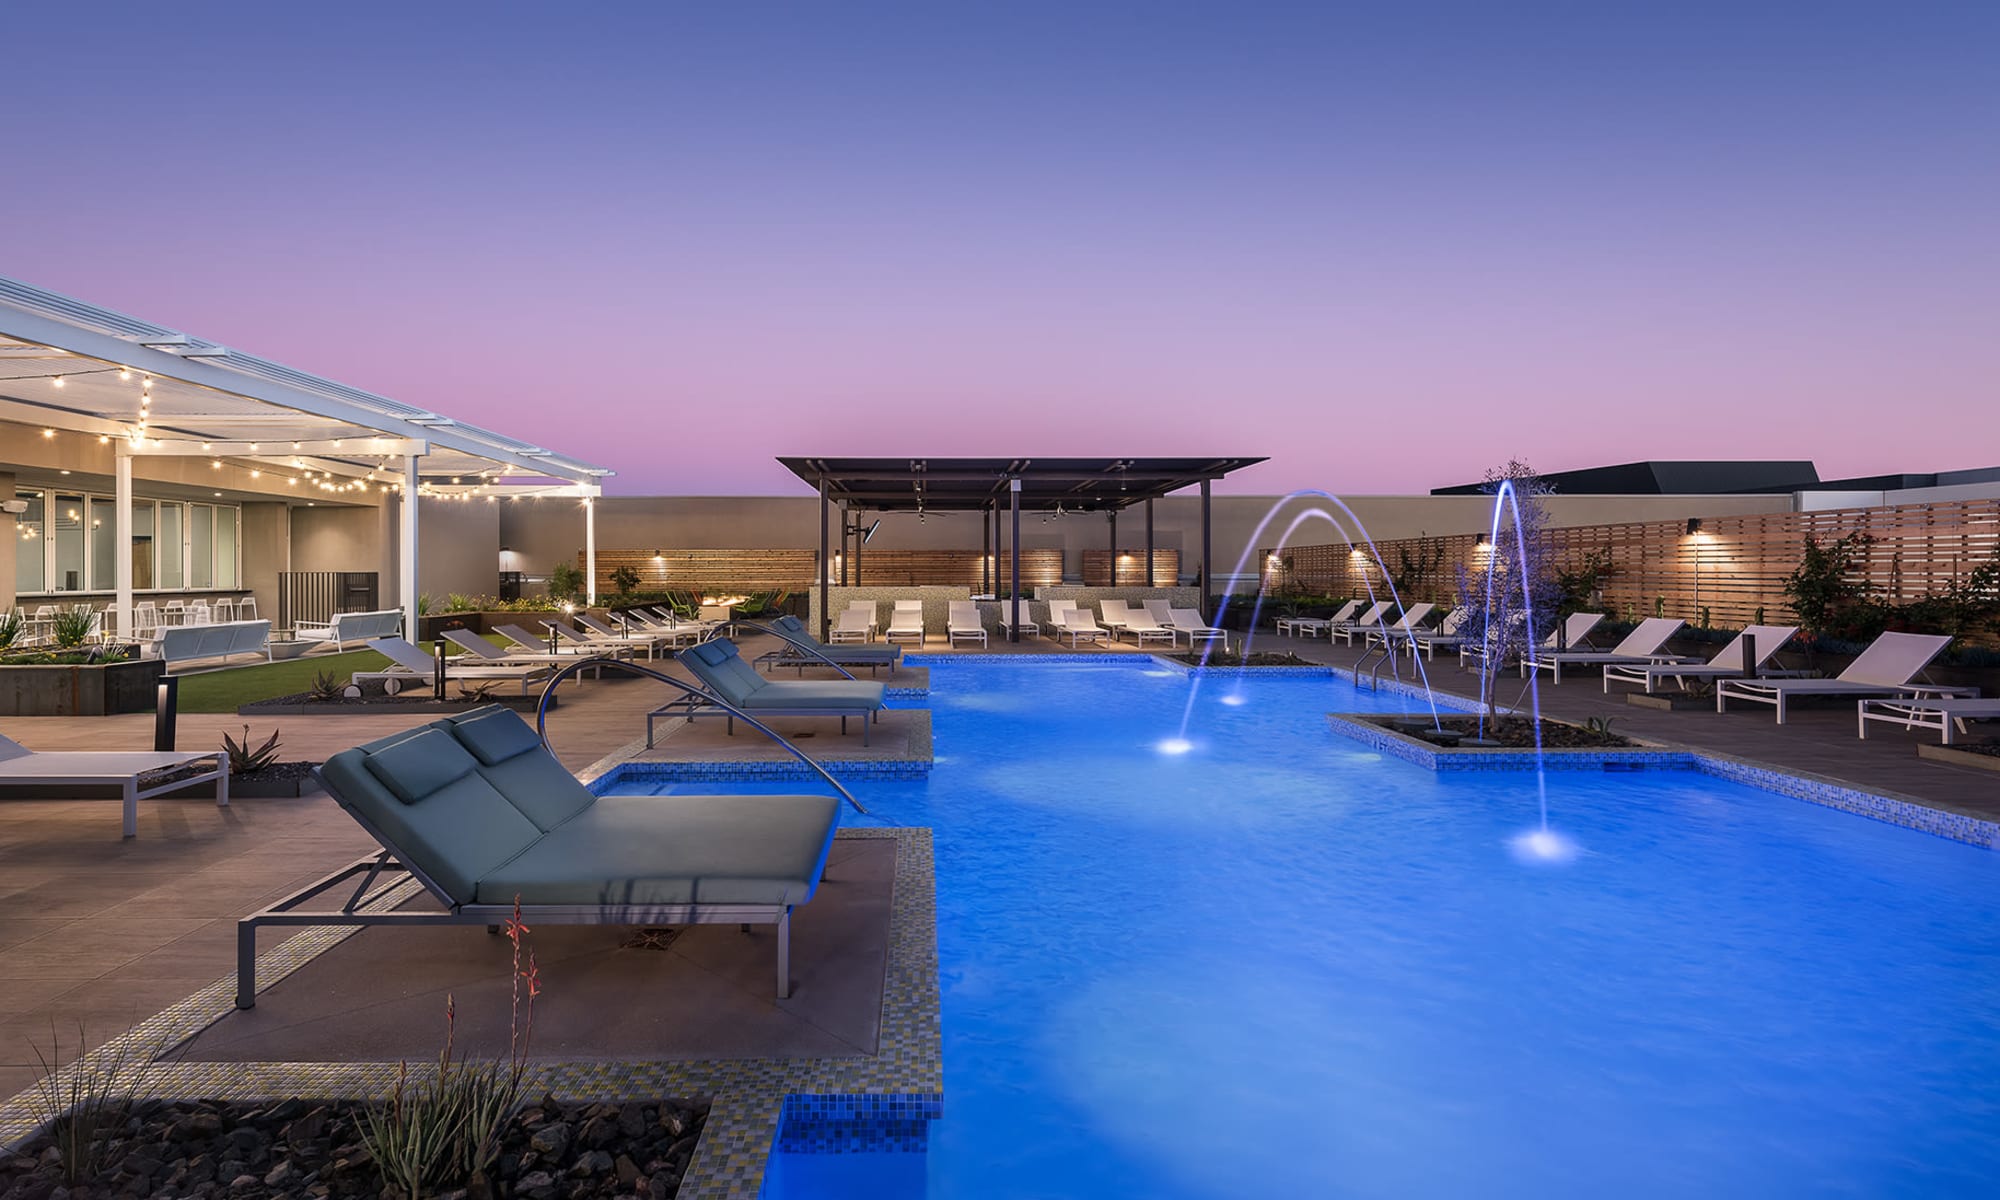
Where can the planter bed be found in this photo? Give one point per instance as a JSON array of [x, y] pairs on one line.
[[79, 689], [1566, 747], [312, 1148], [302, 704], [1982, 756], [1259, 658]]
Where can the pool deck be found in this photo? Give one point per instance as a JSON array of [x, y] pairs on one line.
[[109, 932]]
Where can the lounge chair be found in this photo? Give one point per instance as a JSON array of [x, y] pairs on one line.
[[533, 644], [1641, 646], [635, 632], [1028, 626], [587, 636], [479, 813], [907, 622], [1113, 615], [1405, 627], [344, 629], [1160, 609], [1373, 618], [867, 609], [1141, 625], [1315, 626], [671, 632], [1574, 632], [963, 623], [480, 652], [722, 671], [1947, 715], [1766, 639], [1188, 621], [413, 664], [798, 647], [1886, 668], [1054, 622], [139, 774], [854, 626], [1080, 626], [1450, 633]]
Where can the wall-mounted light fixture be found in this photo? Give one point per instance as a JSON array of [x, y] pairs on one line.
[[1694, 526], [1481, 540]]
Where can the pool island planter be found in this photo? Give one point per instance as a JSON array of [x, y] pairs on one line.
[[1379, 731], [79, 689]]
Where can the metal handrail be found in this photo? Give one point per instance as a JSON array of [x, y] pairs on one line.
[[549, 690]]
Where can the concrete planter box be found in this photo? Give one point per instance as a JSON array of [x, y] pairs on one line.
[[281, 651], [79, 690]]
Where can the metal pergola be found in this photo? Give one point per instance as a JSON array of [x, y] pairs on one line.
[[987, 485], [148, 391]]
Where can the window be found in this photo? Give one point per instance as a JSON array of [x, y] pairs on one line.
[[31, 558], [67, 521], [103, 540], [173, 549], [201, 546], [225, 547]]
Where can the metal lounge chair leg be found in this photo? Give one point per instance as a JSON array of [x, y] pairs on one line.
[[222, 785], [785, 955]]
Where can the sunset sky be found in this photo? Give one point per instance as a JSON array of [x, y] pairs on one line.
[[1386, 245]]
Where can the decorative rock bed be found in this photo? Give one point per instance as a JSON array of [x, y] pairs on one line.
[[312, 1149]]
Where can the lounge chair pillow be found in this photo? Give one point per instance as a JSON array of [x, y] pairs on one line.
[[420, 765], [496, 736]]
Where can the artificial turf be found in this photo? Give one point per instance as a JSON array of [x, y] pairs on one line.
[[227, 690]]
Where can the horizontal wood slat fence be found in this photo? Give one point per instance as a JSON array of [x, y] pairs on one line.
[[793, 570], [1131, 564], [1732, 567]]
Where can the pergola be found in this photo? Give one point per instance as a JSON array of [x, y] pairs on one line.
[[986, 485], [148, 391]]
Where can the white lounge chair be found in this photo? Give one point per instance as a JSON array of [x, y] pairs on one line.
[[963, 623], [1642, 645], [1405, 627], [533, 644], [1160, 609], [867, 609], [1886, 668], [139, 774], [1189, 622], [1766, 639], [1054, 621], [1574, 632], [1315, 626], [1947, 715], [1114, 615], [409, 664], [1141, 625], [1080, 626], [1371, 619], [1449, 634], [855, 626], [1028, 626], [906, 623]]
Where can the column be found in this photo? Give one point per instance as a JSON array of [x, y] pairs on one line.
[[590, 550], [1149, 541], [1014, 552], [121, 569], [825, 563], [406, 566], [1207, 576]]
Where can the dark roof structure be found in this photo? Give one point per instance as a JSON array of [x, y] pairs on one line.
[[1684, 478], [973, 484]]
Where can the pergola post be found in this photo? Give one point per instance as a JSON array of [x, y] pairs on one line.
[[1014, 553], [590, 551], [846, 525], [985, 559], [1207, 577], [121, 523], [1111, 518], [1149, 541], [825, 563], [406, 567]]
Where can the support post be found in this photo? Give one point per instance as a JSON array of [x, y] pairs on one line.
[[825, 563], [121, 522], [590, 551], [406, 549], [1014, 553], [1149, 542], [1207, 577], [1111, 518], [846, 528], [985, 560]]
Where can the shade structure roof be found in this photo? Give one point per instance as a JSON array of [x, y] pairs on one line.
[[67, 364], [971, 484]]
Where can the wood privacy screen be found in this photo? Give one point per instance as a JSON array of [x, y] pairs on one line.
[[1732, 567], [1131, 568], [793, 570]]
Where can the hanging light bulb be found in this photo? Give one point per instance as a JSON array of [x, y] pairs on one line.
[[124, 372], [58, 381]]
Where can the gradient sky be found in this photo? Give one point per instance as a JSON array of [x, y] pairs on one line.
[[1387, 245]]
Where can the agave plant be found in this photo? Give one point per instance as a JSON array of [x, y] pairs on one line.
[[72, 627], [245, 761], [325, 686], [478, 693]]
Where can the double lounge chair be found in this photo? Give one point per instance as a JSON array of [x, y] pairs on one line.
[[799, 648], [1888, 667], [721, 670], [138, 774], [1764, 642], [478, 812], [1139, 622]]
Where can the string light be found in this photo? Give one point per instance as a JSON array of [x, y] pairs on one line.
[[125, 373], [57, 381], [48, 434]]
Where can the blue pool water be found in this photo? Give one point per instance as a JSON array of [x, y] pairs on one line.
[[1283, 965]]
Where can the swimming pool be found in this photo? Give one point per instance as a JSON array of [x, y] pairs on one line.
[[1281, 964]]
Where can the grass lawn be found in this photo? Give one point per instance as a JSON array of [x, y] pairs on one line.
[[226, 690]]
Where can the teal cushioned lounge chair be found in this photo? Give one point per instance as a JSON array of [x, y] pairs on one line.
[[721, 670], [478, 811], [801, 649]]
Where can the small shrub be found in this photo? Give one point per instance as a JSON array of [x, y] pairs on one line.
[[424, 604], [245, 761], [326, 686], [459, 602], [625, 579], [565, 581], [71, 626], [82, 1104], [478, 693]]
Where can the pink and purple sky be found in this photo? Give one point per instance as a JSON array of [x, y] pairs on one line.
[[1386, 245]]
